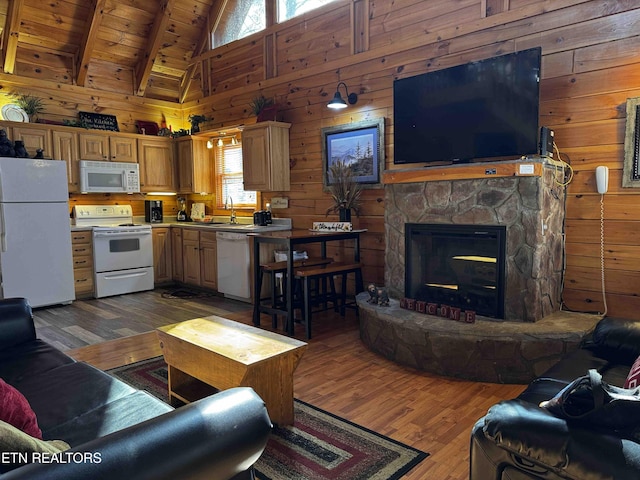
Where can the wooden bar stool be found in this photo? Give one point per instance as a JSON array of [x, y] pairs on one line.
[[278, 300], [327, 272]]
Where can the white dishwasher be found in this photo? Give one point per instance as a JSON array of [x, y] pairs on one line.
[[234, 262]]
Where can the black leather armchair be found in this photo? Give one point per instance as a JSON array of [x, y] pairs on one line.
[[518, 440], [135, 435]]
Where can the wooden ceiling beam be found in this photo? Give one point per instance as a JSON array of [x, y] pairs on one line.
[[144, 67], [10, 35], [88, 41], [213, 19]]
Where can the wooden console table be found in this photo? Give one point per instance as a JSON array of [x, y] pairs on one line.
[[204, 353]]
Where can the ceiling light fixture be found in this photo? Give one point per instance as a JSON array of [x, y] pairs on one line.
[[220, 142], [210, 143], [338, 102]]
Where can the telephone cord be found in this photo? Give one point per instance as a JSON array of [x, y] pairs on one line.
[[604, 297]]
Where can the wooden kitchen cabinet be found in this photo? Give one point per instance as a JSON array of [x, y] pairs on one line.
[[198, 261], [191, 256], [156, 164], [83, 274], [176, 254], [162, 255], [265, 156], [195, 167], [208, 260], [109, 148], [65, 147], [34, 138]]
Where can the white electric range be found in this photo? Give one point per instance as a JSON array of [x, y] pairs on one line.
[[122, 250]]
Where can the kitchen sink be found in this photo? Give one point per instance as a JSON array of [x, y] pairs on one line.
[[225, 224]]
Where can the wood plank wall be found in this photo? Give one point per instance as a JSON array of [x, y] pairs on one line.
[[590, 67]]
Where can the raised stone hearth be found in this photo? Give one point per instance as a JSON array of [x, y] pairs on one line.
[[487, 350]]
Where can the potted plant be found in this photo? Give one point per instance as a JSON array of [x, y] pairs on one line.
[[264, 108], [344, 190], [31, 104], [195, 121]]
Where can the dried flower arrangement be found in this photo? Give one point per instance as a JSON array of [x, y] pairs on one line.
[[343, 188]]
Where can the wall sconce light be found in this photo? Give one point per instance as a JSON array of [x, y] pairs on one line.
[[338, 102]]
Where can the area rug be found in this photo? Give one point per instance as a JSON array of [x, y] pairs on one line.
[[318, 446]]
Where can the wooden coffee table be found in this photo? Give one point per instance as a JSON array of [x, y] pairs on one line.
[[205, 355]]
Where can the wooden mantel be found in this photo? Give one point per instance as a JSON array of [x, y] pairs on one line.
[[530, 167]]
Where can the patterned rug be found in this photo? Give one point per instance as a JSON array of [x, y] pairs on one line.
[[319, 446]]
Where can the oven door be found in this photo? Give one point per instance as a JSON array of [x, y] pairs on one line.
[[122, 249]]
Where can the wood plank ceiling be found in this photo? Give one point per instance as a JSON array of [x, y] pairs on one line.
[[132, 47]]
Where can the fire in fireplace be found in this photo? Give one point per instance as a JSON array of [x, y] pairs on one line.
[[457, 265]]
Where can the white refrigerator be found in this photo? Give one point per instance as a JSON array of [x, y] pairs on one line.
[[35, 232]]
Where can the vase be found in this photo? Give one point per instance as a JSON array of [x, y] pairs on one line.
[[345, 214]]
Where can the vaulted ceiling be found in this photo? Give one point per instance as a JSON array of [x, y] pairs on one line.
[[132, 47]]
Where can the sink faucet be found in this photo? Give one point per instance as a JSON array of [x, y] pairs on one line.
[[232, 218]]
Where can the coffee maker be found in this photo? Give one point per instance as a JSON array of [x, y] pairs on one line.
[[153, 211]]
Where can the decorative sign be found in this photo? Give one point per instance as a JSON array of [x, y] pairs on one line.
[[332, 226], [99, 121]]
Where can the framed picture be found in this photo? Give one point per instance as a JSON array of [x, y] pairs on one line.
[[631, 167], [359, 145]]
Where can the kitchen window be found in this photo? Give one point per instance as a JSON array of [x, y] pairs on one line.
[[229, 180]]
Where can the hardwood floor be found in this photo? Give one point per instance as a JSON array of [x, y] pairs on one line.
[[337, 372]]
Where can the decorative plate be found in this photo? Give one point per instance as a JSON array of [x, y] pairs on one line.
[[14, 113]]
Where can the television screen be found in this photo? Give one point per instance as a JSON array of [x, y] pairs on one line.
[[483, 109]]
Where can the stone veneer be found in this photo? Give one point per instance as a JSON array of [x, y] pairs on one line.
[[532, 209]]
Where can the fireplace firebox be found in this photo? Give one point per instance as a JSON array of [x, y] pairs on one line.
[[457, 265]]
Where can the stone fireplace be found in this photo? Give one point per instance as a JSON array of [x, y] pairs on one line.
[[534, 333], [530, 207]]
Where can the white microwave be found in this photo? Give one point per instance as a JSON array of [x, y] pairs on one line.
[[109, 177]]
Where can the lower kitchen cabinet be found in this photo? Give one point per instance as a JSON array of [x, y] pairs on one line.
[[199, 259], [191, 256], [208, 260], [162, 255], [83, 274], [176, 254]]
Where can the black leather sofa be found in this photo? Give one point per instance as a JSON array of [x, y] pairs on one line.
[[518, 440], [136, 435]]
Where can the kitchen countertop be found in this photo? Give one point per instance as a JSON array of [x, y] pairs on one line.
[[224, 227], [279, 224]]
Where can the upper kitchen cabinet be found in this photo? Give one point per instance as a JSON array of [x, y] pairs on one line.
[[155, 156], [65, 147], [34, 137], [195, 169], [110, 148], [265, 156]]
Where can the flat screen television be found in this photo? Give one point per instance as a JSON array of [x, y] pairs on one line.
[[480, 110]]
